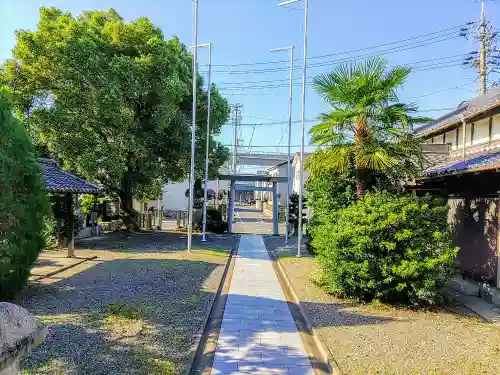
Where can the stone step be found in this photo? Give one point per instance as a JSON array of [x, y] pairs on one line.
[[489, 293], [485, 310], [463, 286]]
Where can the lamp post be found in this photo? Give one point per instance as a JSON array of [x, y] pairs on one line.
[[209, 115], [304, 77], [193, 130], [288, 166]]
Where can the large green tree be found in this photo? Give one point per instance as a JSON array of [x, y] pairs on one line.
[[112, 100], [367, 130]]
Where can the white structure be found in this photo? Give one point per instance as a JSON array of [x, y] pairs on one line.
[[296, 171], [280, 170], [174, 195]]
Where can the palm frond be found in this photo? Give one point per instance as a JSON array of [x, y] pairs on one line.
[[336, 158], [366, 93], [395, 77], [374, 158]]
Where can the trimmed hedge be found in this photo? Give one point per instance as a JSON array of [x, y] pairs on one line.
[[394, 248], [23, 203]]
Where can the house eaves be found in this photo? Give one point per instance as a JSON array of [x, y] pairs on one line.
[[466, 111]]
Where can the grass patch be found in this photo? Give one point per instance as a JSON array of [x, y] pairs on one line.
[[161, 367], [123, 310], [212, 251]]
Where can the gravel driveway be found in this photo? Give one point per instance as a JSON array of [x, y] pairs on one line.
[[134, 310], [379, 339]]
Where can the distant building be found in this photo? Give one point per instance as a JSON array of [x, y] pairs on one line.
[[280, 170], [174, 194], [296, 171]]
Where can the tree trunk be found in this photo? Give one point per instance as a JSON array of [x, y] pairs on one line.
[[362, 183], [362, 134], [127, 205]]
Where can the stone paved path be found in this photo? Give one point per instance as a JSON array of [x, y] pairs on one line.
[[258, 333], [249, 220]]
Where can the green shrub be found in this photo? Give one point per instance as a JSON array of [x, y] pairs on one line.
[[56, 220], [388, 247], [215, 223], [23, 203], [329, 191], [89, 203]]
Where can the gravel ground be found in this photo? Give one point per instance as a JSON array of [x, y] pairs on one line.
[[134, 310], [379, 339]]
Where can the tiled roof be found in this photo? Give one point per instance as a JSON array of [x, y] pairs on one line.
[[467, 109], [59, 181], [490, 160]]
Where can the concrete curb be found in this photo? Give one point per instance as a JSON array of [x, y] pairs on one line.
[[197, 349], [323, 354]]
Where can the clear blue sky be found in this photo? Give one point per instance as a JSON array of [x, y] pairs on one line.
[[243, 31]]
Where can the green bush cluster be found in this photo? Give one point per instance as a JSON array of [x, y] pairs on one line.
[[394, 248], [23, 203], [56, 221], [215, 223]]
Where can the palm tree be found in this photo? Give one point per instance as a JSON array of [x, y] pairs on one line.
[[367, 129]]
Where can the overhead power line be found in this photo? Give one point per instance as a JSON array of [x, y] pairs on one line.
[[422, 68], [402, 48], [456, 58], [449, 29], [316, 120]]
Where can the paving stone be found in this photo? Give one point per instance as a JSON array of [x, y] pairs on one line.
[[258, 334]]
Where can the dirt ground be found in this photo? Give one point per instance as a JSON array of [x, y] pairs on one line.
[[380, 339], [136, 309]]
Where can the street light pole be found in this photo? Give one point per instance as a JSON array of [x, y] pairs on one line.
[[304, 77], [209, 116], [288, 170], [193, 130]]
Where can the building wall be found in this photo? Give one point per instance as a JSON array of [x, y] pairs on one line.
[[495, 128], [296, 176], [280, 171], [477, 133], [174, 195], [475, 223]]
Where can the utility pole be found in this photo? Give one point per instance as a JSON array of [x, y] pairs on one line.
[[486, 60], [236, 118], [290, 49], [484, 40], [303, 120], [209, 115], [193, 131]]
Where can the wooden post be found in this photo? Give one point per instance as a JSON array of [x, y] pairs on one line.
[[70, 225]]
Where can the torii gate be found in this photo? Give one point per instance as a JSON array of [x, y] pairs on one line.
[[252, 178]]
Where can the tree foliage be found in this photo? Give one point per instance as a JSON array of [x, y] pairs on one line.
[[329, 191], [390, 247], [112, 100], [23, 203], [367, 129]]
